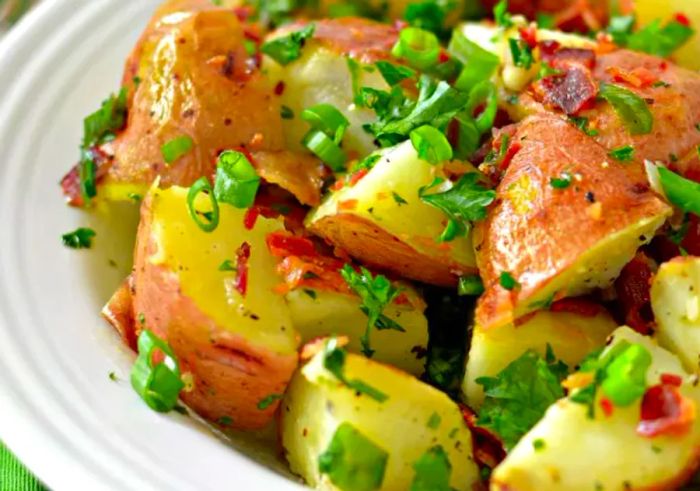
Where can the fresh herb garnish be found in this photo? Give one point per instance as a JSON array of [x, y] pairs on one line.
[[479, 64], [431, 144], [236, 182], [660, 40], [176, 148], [80, 238], [420, 48], [623, 154], [398, 199], [507, 281], [521, 53], [582, 123], [227, 265], [470, 285], [433, 470], [286, 49], [328, 127], [286, 112], [376, 293], [501, 15], [682, 192], [394, 74], [561, 182], [632, 109], [334, 362], [434, 421], [269, 401]]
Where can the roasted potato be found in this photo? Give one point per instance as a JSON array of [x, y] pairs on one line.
[[675, 300], [229, 330], [323, 75], [402, 421], [324, 312], [569, 451], [540, 242], [571, 336]]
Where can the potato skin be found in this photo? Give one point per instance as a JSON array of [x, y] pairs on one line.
[[231, 374], [119, 312], [538, 233]]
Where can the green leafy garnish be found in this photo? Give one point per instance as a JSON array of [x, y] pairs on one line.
[[582, 123], [376, 293], [176, 148], [501, 15], [352, 461], [334, 362], [465, 202], [398, 199], [434, 421], [522, 53], [428, 15], [561, 182], [660, 40], [517, 398], [623, 154], [470, 285], [433, 470], [682, 192], [286, 49], [286, 112], [269, 401], [632, 109], [227, 265], [394, 74], [507, 281], [236, 182], [80, 238]]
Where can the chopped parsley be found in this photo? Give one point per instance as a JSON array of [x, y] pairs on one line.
[[394, 74], [376, 293], [632, 109], [501, 15], [582, 123], [470, 285], [561, 182], [286, 49], [176, 148], [80, 238], [623, 154], [434, 421], [398, 199], [478, 63], [521, 53], [660, 40], [310, 293], [507, 281], [334, 362], [286, 112], [433, 470], [269, 401], [227, 265]]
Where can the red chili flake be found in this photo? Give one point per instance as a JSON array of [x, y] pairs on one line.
[[242, 257], [487, 448], [607, 406], [671, 379], [529, 35], [338, 185], [633, 293], [548, 47], [355, 178], [279, 88], [581, 306], [251, 216], [284, 244], [571, 92], [243, 13], [665, 411], [682, 19], [511, 151], [444, 56]]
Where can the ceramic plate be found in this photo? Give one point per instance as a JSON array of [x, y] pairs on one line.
[[59, 410]]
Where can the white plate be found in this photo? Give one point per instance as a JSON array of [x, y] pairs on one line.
[[59, 411]]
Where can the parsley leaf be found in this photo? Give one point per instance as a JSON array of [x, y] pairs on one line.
[[561, 182], [479, 64], [517, 398], [632, 109], [269, 401], [463, 203], [79, 239], [433, 470], [394, 74], [522, 53], [376, 293], [682, 192], [286, 49], [623, 154], [334, 362], [660, 40], [582, 124], [501, 15], [507, 281]]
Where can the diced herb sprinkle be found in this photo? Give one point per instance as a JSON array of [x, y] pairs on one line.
[[545, 21], [582, 123], [352, 461], [434, 421], [225, 421], [623, 154], [310, 293], [561, 182], [269, 401], [538, 444], [227, 265], [428, 15], [507, 281], [113, 377], [501, 15], [394, 74], [173, 149], [80, 238], [433, 471], [286, 49], [398, 199], [632, 109], [521, 53], [286, 112], [334, 362], [470, 285]]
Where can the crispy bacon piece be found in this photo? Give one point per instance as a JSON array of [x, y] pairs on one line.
[[665, 411], [577, 305], [242, 257], [284, 244], [564, 57], [633, 292], [487, 447], [572, 91]]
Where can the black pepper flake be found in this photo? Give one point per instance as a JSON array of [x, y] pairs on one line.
[[590, 197]]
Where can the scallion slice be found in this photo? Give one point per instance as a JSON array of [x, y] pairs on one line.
[[206, 220], [326, 118], [483, 94], [176, 148], [326, 149], [431, 144], [632, 109], [236, 181], [682, 192], [419, 47]]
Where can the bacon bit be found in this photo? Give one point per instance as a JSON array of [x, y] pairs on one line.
[[279, 88], [607, 406], [571, 92], [574, 56], [578, 380], [315, 346], [529, 35], [640, 77], [284, 244], [251, 216], [348, 204], [243, 13], [682, 19], [633, 293], [242, 257], [355, 178], [580, 306], [548, 48], [671, 379], [487, 447], [665, 411], [338, 185]]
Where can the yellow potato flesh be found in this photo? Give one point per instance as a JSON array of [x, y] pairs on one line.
[[317, 403], [194, 257], [571, 336], [584, 454], [675, 300], [324, 313]]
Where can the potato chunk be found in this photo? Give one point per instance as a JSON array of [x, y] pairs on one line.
[[382, 221], [236, 341], [571, 335], [558, 242], [317, 312], [569, 451], [675, 300], [401, 426]]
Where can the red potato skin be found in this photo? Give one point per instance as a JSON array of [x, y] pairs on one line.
[[119, 312], [230, 375], [540, 238]]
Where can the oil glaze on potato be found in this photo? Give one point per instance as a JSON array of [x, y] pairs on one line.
[[675, 300], [239, 349], [571, 335], [414, 418], [560, 242], [583, 454], [371, 224]]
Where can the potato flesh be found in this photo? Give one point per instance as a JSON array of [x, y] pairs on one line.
[[603, 453], [331, 313], [675, 300], [414, 223], [572, 336], [194, 257], [316, 404]]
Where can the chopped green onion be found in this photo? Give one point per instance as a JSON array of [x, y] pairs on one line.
[[326, 118], [428, 15], [158, 384], [501, 15], [483, 94], [419, 47], [286, 49], [431, 144], [521, 52], [80, 238], [236, 182], [211, 218], [470, 285], [625, 376], [87, 173], [632, 109], [582, 123], [561, 182], [334, 362], [682, 192], [269, 401], [176, 148], [479, 64], [227, 265], [623, 154], [545, 21], [326, 149], [433, 471], [507, 281], [394, 74]]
